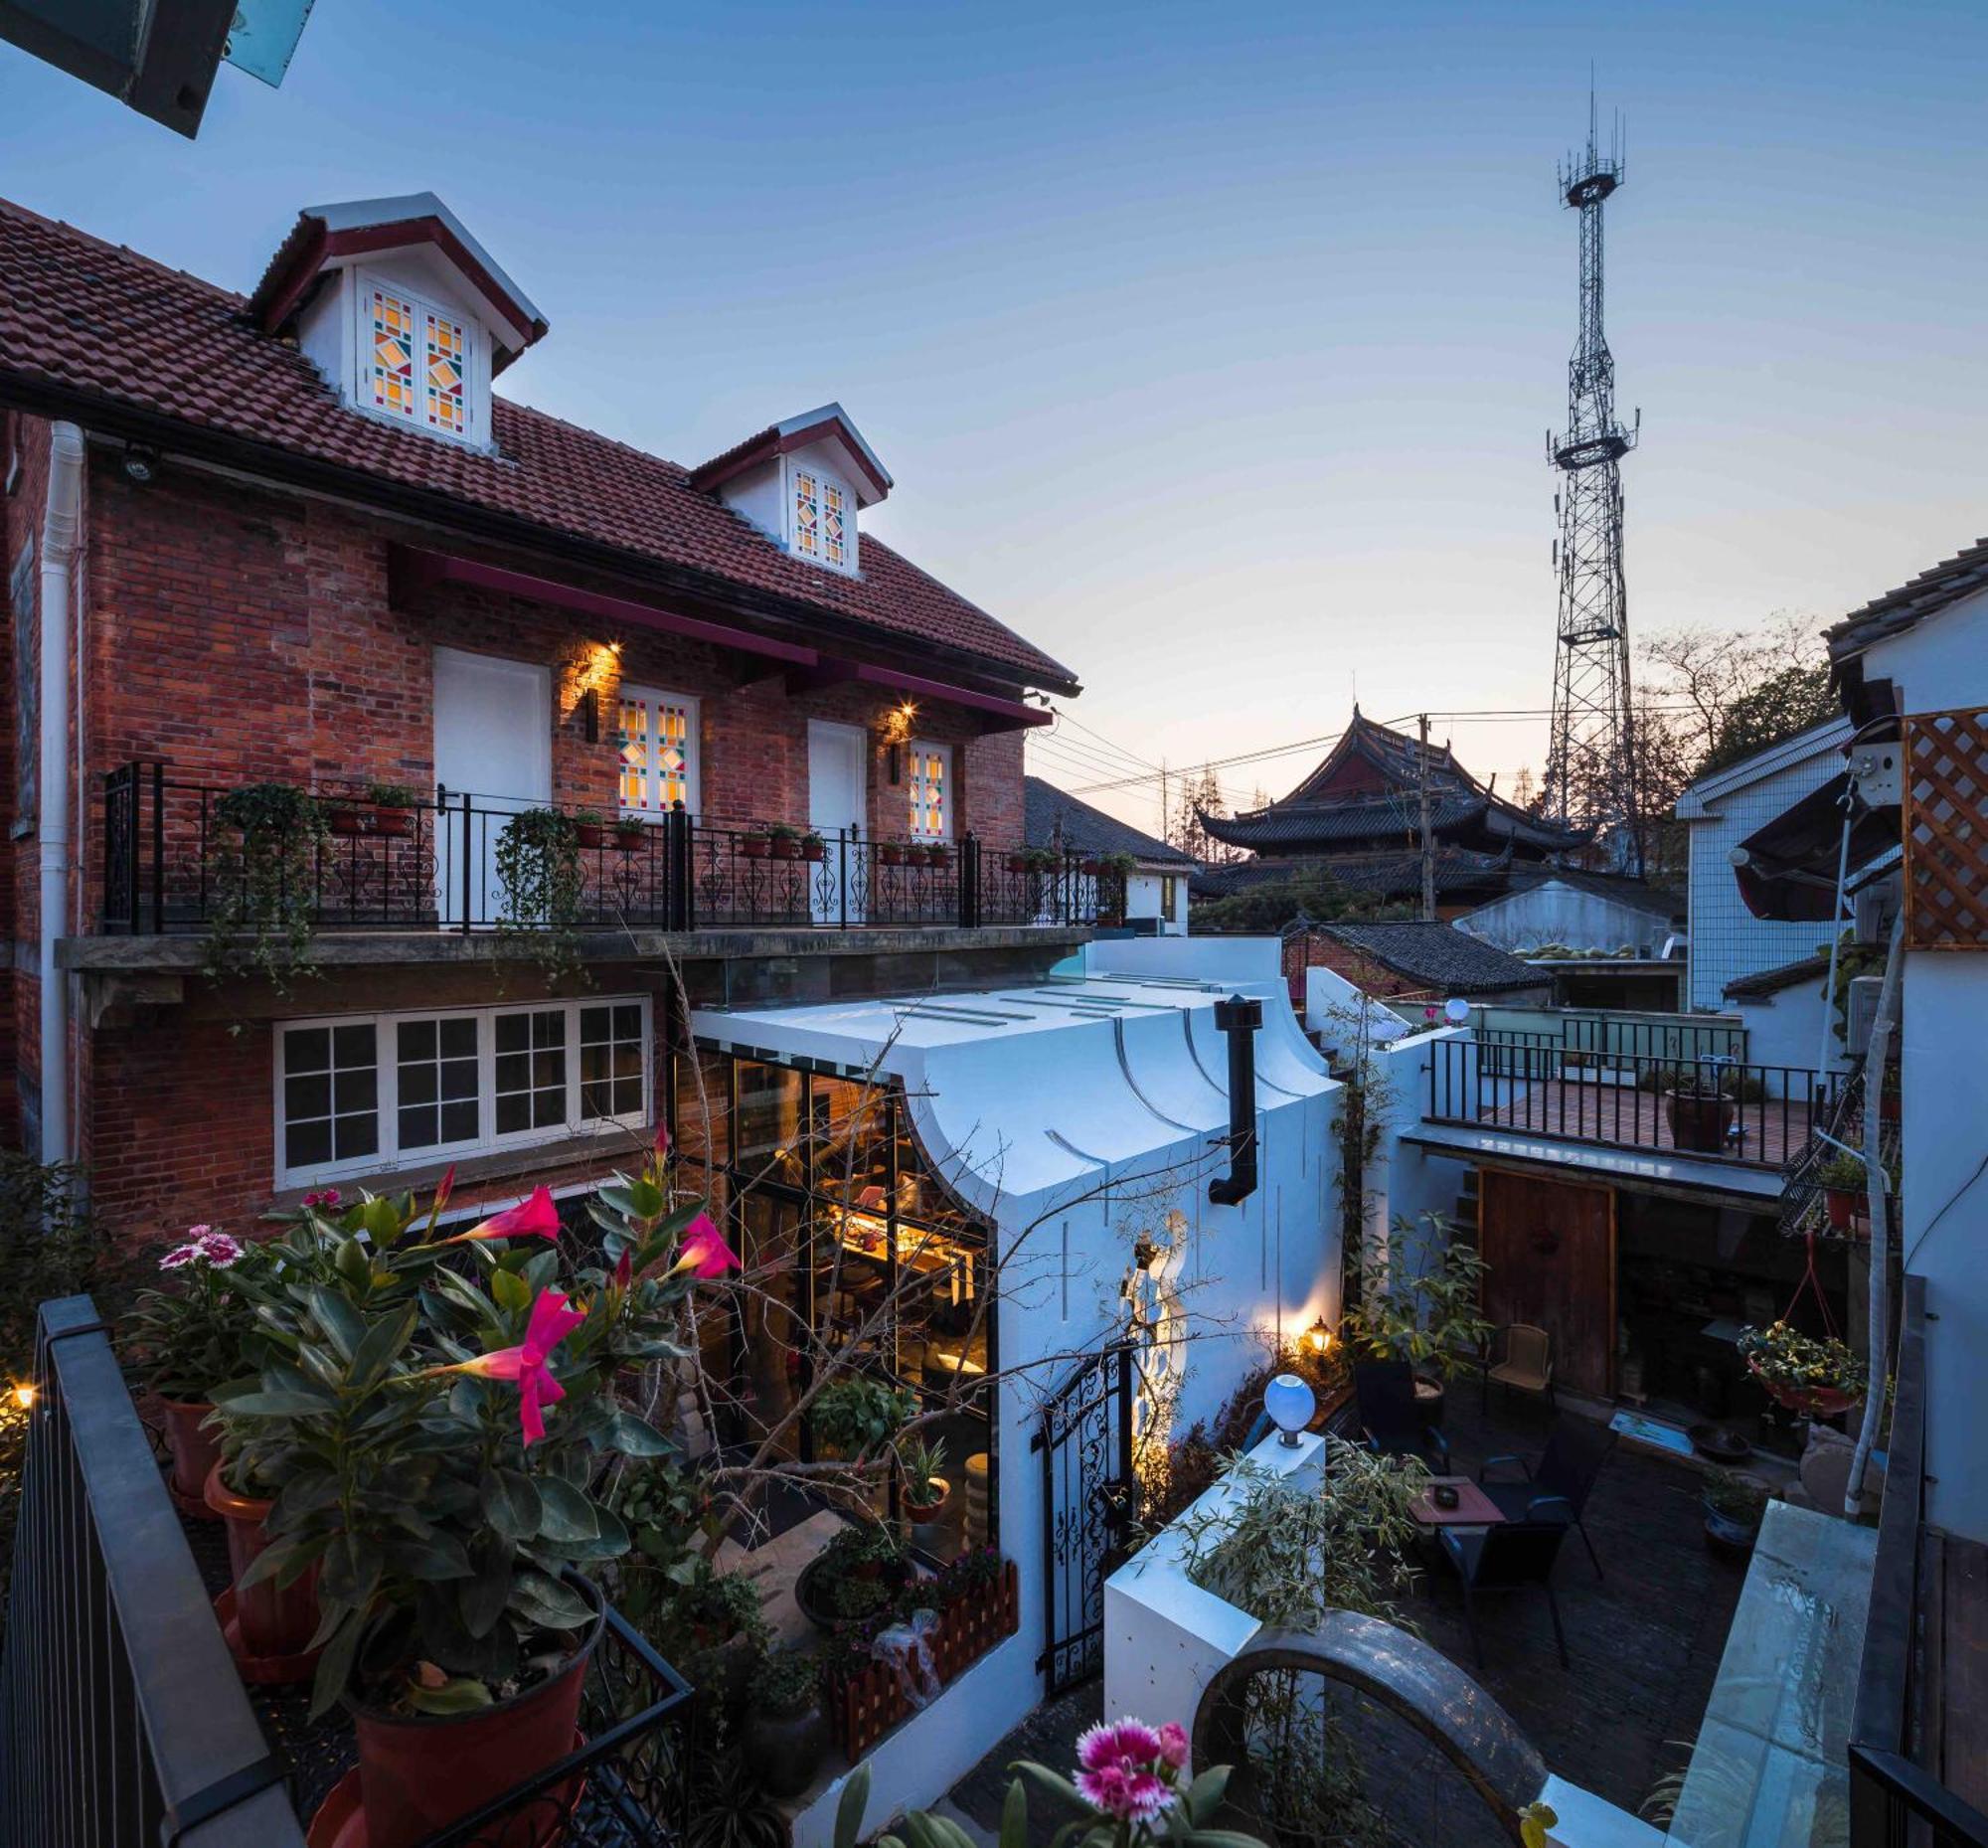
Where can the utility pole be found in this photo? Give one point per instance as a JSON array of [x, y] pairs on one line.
[[1166, 814], [1429, 840]]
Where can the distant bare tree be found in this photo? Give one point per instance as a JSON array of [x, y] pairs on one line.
[[1201, 794]]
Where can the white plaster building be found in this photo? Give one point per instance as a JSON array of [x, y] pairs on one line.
[[1155, 887], [1727, 940]]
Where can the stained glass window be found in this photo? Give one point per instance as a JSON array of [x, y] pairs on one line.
[[393, 363], [807, 514], [443, 365], [931, 800], [658, 743], [834, 541]]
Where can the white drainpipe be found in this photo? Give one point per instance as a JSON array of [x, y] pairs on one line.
[[60, 529]]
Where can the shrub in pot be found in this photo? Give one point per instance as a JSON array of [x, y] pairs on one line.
[[589, 827], [629, 834], [265, 883], [393, 806], [1419, 1302], [890, 853], [852, 1578], [711, 1628], [925, 1489], [786, 842], [1843, 1185], [855, 1416], [756, 845], [786, 1735], [813, 847], [434, 1453], [1733, 1507], [192, 1339]]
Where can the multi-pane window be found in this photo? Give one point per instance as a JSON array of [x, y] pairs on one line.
[[330, 1094], [930, 784], [610, 1060], [658, 733], [416, 362], [358, 1096], [822, 518], [438, 1068], [530, 1070]]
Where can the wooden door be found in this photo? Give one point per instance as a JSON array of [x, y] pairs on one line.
[[1549, 1255]]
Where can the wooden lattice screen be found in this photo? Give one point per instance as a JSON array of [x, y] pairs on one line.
[[1946, 830]]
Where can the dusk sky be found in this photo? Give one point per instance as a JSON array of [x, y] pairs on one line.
[[1213, 348]]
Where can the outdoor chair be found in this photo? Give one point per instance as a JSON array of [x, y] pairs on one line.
[[1506, 1558], [1527, 1365], [1555, 1488], [1385, 1390]]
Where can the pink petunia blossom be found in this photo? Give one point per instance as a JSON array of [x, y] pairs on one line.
[[550, 1323], [536, 1218], [1174, 1745], [704, 1249]]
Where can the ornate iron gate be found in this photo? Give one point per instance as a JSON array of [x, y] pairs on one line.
[[1089, 1503]]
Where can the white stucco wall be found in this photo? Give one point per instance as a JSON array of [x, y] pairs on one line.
[[1145, 894], [1726, 939], [1942, 666], [1784, 1029]]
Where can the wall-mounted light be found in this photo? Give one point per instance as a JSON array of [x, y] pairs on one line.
[[140, 464], [1318, 1339]]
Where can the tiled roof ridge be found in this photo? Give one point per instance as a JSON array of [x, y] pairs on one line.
[[233, 298]]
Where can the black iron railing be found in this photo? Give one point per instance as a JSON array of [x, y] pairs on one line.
[[122, 1718], [1737, 1110], [1603, 1039], [172, 862], [1894, 1798]]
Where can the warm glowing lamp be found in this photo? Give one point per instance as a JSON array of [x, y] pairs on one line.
[[1289, 1402], [1318, 1339], [24, 1394]]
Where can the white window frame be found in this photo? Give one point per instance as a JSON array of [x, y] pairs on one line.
[[824, 478], [692, 710], [918, 749], [388, 1155], [475, 361]]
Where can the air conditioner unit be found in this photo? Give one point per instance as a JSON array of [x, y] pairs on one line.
[[1860, 1013]]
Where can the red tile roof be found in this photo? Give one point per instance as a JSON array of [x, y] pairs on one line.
[[99, 320]]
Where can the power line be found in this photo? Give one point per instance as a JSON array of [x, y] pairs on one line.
[[1145, 764]]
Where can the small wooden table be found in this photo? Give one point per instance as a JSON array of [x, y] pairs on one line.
[[1473, 1507]]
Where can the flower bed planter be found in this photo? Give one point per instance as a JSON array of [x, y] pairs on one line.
[[755, 846], [864, 1705], [395, 823], [887, 855], [628, 839], [786, 848], [1700, 1120]]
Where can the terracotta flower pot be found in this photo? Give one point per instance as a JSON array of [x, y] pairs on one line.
[[1018, 863], [755, 846], [785, 849], [418, 1772], [929, 1510], [272, 1625], [887, 855], [194, 1452], [347, 822], [1699, 1120], [397, 823], [591, 834], [1842, 1205], [816, 851], [628, 840]]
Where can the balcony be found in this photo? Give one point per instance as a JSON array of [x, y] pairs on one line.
[[1731, 1111], [175, 863]]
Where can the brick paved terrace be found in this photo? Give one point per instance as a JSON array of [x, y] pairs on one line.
[[1644, 1641]]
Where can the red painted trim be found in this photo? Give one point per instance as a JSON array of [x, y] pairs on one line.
[[1013, 710], [777, 445], [303, 269], [413, 568]]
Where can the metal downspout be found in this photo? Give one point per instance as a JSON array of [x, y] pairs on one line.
[[60, 527]]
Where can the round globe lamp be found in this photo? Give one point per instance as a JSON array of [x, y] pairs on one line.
[[1290, 1404]]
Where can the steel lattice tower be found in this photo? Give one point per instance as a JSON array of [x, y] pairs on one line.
[[1590, 779]]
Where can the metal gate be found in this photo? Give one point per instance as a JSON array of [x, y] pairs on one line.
[[1089, 1504]]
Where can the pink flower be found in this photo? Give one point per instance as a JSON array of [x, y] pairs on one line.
[[625, 1268], [218, 1249], [330, 1197], [1128, 1741], [550, 1323], [662, 1144], [443, 1191], [1174, 1745], [704, 1249], [536, 1218], [197, 1233], [180, 1255]]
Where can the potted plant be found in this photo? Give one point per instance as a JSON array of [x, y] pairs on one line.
[[268, 1621], [1820, 1378], [891, 853], [786, 1735], [852, 1578], [589, 827], [1843, 1181], [1418, 1301], [265, 882], [629, 833], [925, 1489], [936, 853], [1733, 1507], [712, 1629], [1700, 1107], [393, 806], [755, 843], [786, 841], [813, 847], [190, 1340], [434, 1450], [855, 1416], [1021, 860]]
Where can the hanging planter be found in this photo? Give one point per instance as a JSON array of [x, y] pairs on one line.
[[393, 812], [1820, 1379], [890, 853], [813, 848], [755, 846], [628, 836]]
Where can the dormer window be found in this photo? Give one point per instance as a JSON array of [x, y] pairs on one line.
[[821, 519], [416, 361]]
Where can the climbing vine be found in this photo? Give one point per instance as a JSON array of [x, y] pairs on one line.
[[538, 875], [265, 902]]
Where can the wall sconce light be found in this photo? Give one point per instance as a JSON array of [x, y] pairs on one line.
[[24, 1394], [140, 464], [589, 715], [1290, 1404], [1318, 1339]]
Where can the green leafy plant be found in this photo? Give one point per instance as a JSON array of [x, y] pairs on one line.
[[268, 837], [203, 1332], [731, 1808], [434, 1437], [1737, 1498], [785, 1682], [923, 1465], [538, 874], [858, 1415], [1843, 1172], [1419, 1298], [392, 795], [1785, 1359]]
